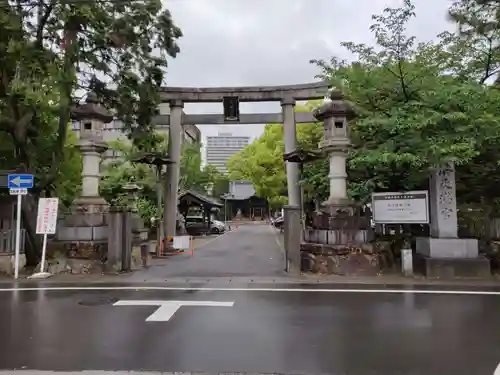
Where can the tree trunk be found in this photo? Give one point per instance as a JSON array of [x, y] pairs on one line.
[[32, 244]]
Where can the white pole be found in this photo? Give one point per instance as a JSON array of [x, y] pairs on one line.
[[18, 237], [44, 251]]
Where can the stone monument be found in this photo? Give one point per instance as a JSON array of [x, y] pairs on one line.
[[335, 114], [92, 117], [84, 231], [338, 240], [443, 254]]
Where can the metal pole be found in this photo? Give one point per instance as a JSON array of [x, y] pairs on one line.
[[18, 237], [159, 221], [302, 211], [44, 251]]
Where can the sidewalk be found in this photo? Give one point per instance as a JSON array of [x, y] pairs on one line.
[[305, 279]]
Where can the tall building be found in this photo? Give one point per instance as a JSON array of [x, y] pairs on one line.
[[221, 147]]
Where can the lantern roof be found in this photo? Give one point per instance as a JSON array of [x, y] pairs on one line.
[[91, 110]]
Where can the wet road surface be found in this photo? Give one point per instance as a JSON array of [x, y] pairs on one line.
[[290, 331], [251, 250]]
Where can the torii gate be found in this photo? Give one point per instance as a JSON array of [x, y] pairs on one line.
[[231, 97]]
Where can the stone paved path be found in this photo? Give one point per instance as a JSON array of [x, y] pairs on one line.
[[250, 250]]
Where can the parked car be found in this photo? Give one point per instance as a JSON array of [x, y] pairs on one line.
[[196, 225], [217, 227]]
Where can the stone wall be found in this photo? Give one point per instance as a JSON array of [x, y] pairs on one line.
[[347, 261], [337, 236], [328, 254], [58, 262], [7, 264]]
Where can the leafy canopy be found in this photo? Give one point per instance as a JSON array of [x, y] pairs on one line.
[[50, 51], [261, 162], [414, 111], [123, 170]]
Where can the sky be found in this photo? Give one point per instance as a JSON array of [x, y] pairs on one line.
[[270, 42]]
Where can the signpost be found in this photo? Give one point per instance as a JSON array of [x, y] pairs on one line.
[[19, 184], [411, 207], [46, 223]]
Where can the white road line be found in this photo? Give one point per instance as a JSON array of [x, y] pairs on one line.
[[497, 370], [214, 289], [167, 309]]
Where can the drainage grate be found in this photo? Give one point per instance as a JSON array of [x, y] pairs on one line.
[[99, 301]]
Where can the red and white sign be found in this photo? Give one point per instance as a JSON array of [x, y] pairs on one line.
[[46, 221]]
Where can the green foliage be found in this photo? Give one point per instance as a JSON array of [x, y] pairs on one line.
[[261, 162], [117, 173], [192, 177], [413, 113], [49, 49], [218, 181], [123, 170], [418, 105], [67, 185], [478, 42]]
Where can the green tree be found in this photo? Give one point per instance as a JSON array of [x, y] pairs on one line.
[[218, 181], [123, 170], [198, 178], [192, 176], [50, 49], [478, 40], [262, 162], [413, 112]]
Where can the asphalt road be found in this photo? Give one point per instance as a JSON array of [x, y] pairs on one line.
[[250, 251], [251, 330]]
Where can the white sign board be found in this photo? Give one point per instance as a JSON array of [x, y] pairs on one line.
[[18, 191], [46, 220], [411, 207], [182, 242]]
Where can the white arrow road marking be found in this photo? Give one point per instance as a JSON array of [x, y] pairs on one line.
[[167, 309], [16, 181]]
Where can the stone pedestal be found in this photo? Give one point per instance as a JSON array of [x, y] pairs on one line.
[[90, 200], [83, 232], [337, 155], [444, 254], [115, 237], [450, 268], [292, 234]]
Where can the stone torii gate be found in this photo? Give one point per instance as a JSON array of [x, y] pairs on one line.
[[231, 97]]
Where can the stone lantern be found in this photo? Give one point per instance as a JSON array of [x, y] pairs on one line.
[[92, 116], [335, 114], [132, 191]]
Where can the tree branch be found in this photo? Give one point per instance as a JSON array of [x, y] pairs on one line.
[[489, 59], [376, 107], [42, 21]]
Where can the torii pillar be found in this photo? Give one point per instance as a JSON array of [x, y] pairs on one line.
[[175, 138]]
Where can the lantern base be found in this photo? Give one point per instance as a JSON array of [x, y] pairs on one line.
[[90, 205], [340, 207]]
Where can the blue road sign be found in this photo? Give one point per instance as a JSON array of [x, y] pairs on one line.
[[20, 181]]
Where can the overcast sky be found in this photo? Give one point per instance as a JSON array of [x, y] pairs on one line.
[[270, 42]]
